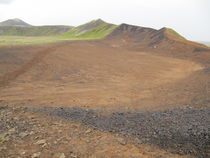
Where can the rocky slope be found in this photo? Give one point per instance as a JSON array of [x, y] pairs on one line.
[[137, 37]]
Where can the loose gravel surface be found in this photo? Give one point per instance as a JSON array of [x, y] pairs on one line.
[[27, 133], [182, 130], [31, 132]]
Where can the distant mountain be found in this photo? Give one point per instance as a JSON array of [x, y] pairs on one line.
[[94, 29], [134, 37], [17, 27], [33, 30], [14, 22]]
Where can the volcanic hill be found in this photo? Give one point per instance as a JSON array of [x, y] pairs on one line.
[[134, 37], [165, 39]]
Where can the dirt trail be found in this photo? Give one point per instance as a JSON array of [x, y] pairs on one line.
[[7, 78]]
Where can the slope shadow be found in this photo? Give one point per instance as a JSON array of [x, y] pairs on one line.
[[181, 130]]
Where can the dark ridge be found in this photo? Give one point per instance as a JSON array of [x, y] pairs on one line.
[[165, 40]]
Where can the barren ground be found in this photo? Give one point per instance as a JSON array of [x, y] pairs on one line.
[[92, 75]]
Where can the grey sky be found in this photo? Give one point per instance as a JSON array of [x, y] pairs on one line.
[[5, 1], [191, 18]]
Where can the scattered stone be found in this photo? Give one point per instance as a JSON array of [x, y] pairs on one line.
[[186, 127], [181, 130]]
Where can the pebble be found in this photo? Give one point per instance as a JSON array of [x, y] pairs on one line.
[[73, 155], [40, 142], [88, 131], [44, 145], [121, 141], [23, 134], [62, 155], [23, 153], [36, 155], [12, 130]]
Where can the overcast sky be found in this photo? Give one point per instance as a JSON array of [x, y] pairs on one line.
[[191, 18]]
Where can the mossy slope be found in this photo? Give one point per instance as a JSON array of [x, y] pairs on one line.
[[33, 30], [92, 30]]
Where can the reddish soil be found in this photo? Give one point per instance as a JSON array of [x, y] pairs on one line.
[[132, 69], [92, 74]]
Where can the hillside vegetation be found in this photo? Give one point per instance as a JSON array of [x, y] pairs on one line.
[[27, 40], [21, 34], [16, 31], [33, 30], [173, 34], [92, 30]]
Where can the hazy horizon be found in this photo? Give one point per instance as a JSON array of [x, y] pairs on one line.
[[190, 18]]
